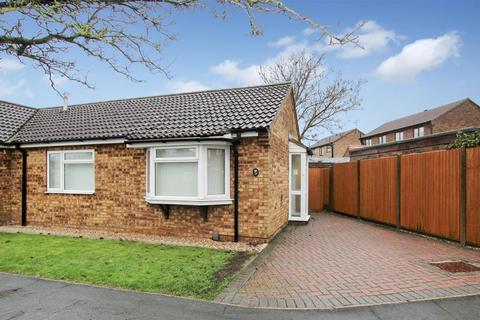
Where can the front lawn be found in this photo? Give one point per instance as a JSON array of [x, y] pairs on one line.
[[184, 271]]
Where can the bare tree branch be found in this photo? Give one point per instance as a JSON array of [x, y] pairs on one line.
[[319, 99], [119, 33]]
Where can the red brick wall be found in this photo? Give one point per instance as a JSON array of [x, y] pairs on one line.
[[465, 115]]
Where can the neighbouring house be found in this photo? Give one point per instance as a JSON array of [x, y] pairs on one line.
[[223, 164], [336, 146], [432, 129]]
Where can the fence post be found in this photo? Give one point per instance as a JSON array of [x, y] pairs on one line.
[[463, 197], [330, 194], [399, 186], [358, 189]]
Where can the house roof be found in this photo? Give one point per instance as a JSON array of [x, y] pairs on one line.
[[195, 114], [12, 118], [331, 139], [415, 119]]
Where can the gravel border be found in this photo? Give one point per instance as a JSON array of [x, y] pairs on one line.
[[150, 239]]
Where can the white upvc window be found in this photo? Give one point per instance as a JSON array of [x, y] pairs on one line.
[[196, 174], [382, 139], [71, 172], [418, 132], [399, 136], [368, 142]]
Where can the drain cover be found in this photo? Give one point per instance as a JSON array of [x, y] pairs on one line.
[[456, 266]]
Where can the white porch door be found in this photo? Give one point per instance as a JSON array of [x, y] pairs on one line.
[[298, 182]]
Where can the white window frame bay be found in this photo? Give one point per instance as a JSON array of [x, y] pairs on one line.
[[63, 162], [200, 157]]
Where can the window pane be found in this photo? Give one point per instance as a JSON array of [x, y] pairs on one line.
[[54, 171], [296, 172], [79, 177], [78, 156], [176, 153], [296, 205], [216, 171], [176, 179]]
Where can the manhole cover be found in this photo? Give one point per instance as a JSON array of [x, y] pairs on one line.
[[456, 266]]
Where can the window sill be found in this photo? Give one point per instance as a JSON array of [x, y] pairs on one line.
[[189, 202], [71, 192]]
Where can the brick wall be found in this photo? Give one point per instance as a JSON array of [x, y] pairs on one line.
[[464, 116], [10, 186], [277, 182], [118, 204], [5, 155], [340, 147]]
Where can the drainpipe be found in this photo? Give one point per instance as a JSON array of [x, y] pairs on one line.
[[236, 142], [24, 186]]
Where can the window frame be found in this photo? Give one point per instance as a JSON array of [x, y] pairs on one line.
[[399, 136], [368, 142], [416, 132], [201, 158], [382, 139], [63, 161]]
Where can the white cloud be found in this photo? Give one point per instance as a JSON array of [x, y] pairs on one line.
[[371, 38], [309, 31], [10, 65], [374, 38], [421, 55], [283, 42], [7, 89], [186, 86], [230, 70]]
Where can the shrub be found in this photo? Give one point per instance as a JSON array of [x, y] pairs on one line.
[[466, 140]]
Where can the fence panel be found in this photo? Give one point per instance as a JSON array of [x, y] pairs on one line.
[[318, 188], [430, 193], [473, 196], [345, 188], [378, 190]]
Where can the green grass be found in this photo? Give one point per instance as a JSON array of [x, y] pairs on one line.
[[184, 271]]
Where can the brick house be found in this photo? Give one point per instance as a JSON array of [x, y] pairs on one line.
[[336, 146], [223, 164], [432, 129]]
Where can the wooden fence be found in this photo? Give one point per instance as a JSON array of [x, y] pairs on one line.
[[435, 193], [319, 187]]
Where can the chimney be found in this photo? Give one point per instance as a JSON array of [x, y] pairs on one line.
[[65, 101]]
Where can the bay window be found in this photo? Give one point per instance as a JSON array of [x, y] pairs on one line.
[[70, 172], [189, 174]]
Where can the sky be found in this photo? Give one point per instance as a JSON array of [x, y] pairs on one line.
[[416, 55]]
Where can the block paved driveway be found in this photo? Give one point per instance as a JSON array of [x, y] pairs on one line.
[[337, 261]]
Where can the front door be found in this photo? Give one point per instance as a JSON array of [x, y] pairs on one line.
[[298, 210]]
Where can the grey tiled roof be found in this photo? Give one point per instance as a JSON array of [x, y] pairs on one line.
[[331, 139], [196, 114], [12, 117], [415, 119]]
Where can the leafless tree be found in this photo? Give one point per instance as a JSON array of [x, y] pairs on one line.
[[119, 33], [320, 96]]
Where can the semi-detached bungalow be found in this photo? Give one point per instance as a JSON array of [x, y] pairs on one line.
[[223, 164]]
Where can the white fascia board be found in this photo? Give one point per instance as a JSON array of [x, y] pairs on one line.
[[295, 148], [2, 146], [72, 143], [174, 143]]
